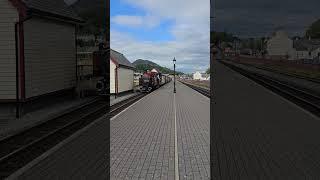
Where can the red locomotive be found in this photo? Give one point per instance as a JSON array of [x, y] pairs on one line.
[[152, 80]]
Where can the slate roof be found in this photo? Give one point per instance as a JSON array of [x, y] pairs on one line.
[[306, 45], [121, 59], [57, 8]]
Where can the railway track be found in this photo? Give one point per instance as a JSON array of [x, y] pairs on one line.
[[203, 91], [22, 148], [307, 100], [314, 80]]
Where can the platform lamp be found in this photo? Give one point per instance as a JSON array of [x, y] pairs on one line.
[[174, 75]]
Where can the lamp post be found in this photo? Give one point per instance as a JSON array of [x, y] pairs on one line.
[[174, 75]]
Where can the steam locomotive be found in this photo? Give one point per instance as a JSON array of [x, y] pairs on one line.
[[152, 80]]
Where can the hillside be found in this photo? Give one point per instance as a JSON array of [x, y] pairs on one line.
[[144, 65]]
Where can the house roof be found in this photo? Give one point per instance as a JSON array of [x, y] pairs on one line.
[[306, 45], [120, 59], [54, 8]]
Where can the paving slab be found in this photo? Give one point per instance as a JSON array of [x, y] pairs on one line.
[[193, 130], [143, 136]]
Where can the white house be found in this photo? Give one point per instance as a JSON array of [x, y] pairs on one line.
[[37, 49], [307, 48], [201, 76], [280, 45], [121, 73], [136, 78]]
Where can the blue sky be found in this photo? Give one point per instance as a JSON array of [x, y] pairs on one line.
[[158, 33], [159, 30]]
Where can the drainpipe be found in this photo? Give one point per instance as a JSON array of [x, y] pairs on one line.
[[116, 81], [76, 49], [22, 61], [20, 64], [17, 71]]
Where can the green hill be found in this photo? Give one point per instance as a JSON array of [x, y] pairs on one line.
[[144, 65]]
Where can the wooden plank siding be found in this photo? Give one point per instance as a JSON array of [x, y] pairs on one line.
[[50, 56], [8, 17], [125, 79], [112, 77]]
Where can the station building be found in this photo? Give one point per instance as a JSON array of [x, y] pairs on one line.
[[37, 50], [201, 76], [121, 73]]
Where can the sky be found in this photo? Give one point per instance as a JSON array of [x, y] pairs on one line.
[[251, 18], [159, 30]]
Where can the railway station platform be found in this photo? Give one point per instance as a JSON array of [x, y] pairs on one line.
[[162, 136], [115, 99], [258, 134], [9, 127]]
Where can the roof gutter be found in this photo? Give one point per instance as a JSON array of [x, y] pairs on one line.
[[128, 67], [56, 17]]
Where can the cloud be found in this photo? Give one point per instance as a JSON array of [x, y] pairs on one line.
[[127, 20], [190, 31], [135, 21], [261, 17], [190, 57]]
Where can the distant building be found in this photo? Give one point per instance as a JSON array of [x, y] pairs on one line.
[[246, 51], [201, 76], [307, 49], [85, 56], [121, 73], [229, 52], [136, 78], [280, 46], [184, 76], [89, 39]]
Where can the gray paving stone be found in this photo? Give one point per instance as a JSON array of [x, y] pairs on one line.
[[193, 127], [259, 135], [142, 137]]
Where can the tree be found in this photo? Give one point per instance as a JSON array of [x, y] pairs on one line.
[[208, 71], [218, 37], [314, 30]]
